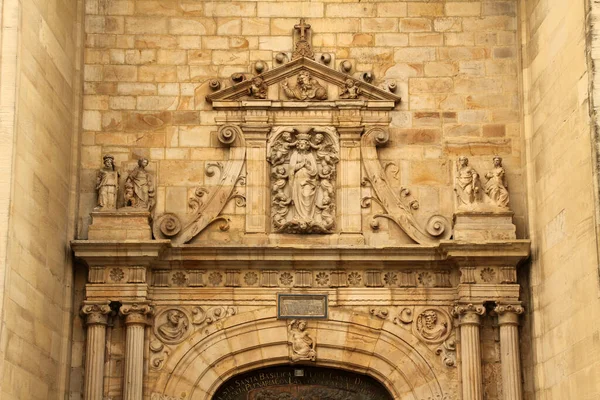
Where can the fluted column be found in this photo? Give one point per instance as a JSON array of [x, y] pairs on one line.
[[508, 319], [96, 317], [470, 350], [136, 319]]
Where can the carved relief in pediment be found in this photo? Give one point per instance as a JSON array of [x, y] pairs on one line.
[[303, 167]]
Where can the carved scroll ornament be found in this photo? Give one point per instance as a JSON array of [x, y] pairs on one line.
[[207, 204], [303, 179], [398, 209]]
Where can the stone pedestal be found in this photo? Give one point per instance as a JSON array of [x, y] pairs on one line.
[[477, 226], [124, 224], [136, 319], [508, 319], [96, 316], [470, 350]]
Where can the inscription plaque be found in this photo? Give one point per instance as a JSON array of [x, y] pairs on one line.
[[301, 305]]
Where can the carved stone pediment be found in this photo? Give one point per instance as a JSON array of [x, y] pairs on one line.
[[334, 83]]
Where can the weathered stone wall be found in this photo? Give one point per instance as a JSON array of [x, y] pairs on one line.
[[39, 85], [564, 273], [147, 66]]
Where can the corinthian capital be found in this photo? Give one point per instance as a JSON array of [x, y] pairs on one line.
[[136, 313], [508, 314], [509, 308], [464, 309], [95, 313]]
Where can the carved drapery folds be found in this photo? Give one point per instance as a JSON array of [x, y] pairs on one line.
[[472, 194], [208, 203], [302, 346], [307, 88], [303, 169], [398, 208]]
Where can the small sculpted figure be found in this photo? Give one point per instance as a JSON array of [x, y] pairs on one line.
[[496, 186], [258, 90], [129, 195], [429, 328], [351, 90], [279, 153], [303, 346], [107, 183], [143, 186], [467, 185], [307, 88], [175, 327], [303, 179]]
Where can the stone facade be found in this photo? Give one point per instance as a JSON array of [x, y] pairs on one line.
[[399, 159]]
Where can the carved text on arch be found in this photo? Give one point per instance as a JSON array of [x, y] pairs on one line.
[[303, 169]]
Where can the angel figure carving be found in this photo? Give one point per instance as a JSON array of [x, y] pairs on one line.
[[302, 345]]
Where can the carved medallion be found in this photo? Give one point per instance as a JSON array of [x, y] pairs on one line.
[[432, 325], [303, 179], [172, 325]]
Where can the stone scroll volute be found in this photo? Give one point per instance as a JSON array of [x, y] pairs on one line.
[[303, 169], [207, 205]]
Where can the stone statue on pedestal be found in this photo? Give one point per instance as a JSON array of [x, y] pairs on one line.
[[107, 184], [139, 187]]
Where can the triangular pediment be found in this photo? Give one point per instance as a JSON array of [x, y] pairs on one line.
[[324, 74]]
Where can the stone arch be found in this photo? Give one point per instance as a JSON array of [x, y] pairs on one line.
[[346, 340]]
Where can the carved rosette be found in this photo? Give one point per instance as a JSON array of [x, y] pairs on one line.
[[303, 170]]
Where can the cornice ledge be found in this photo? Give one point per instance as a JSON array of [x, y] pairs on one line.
[[308, 253], [93, 251], [514, 250]]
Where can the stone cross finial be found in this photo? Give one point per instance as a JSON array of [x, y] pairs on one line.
[[303, 48], [302, 27]]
